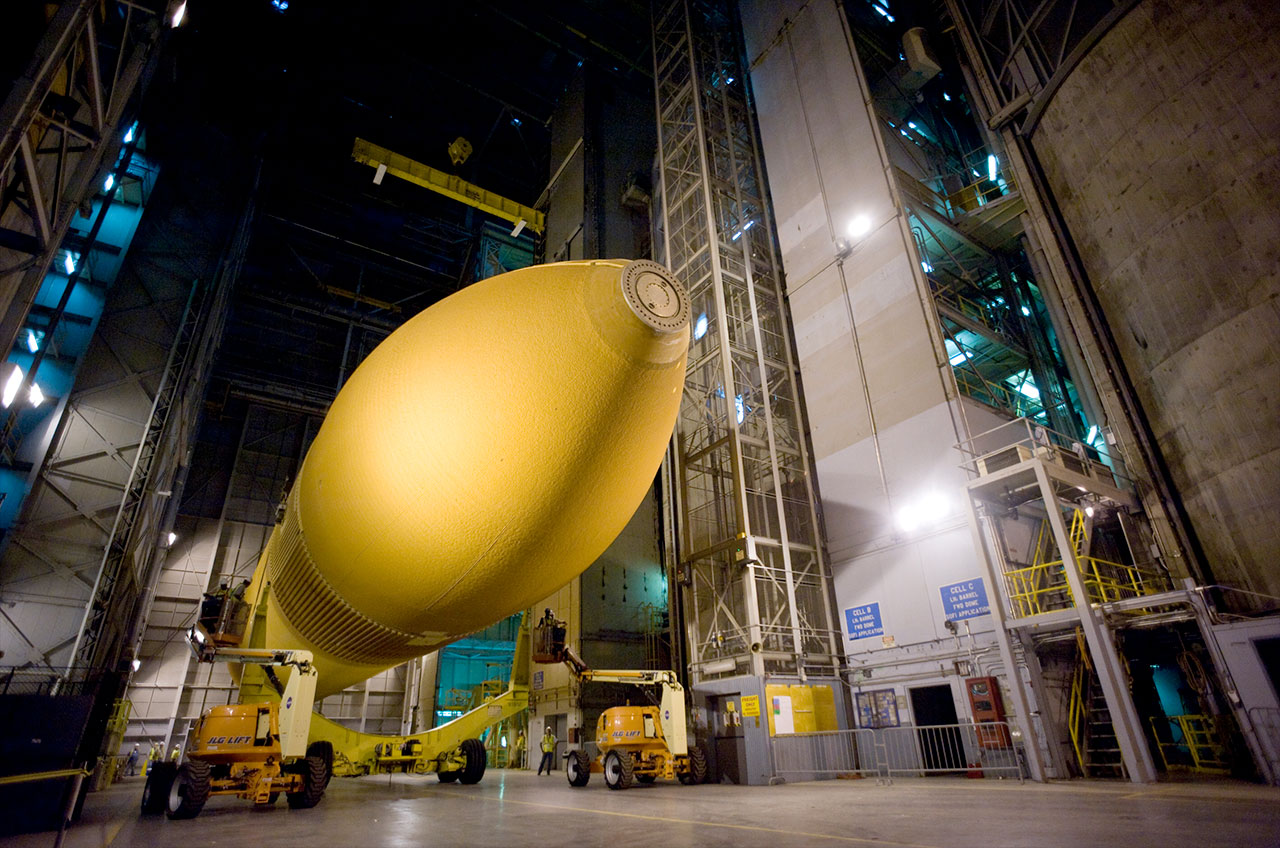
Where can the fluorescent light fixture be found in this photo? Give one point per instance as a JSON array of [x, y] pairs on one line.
[[946, 97], [1029, 389], [1093, 433], [1088, 511], [992, 165], [515, 122], [1026, 311], [12, 380], [883, 12], [741, 407], [109, 182], [729, 81], [748, 225], [924, 263], [519, 227], [960, 357], [33, 341], [69, 263], [700, 327], [859, 226], [178, 14], [737, 235], [380, 173], [128, 136], [35, 395], [911, 124], [173, 537]]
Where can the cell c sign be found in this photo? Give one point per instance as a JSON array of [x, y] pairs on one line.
[[966, 599]]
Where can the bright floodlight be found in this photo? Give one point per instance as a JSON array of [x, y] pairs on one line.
[[700, 327], [173, 537], [992, 165], [35, 395], [137, 664], [69, 263], [178, 14], [12, 380], [859, 226], [109, 182]]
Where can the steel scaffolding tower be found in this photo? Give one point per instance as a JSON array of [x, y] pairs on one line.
[[757, 594]]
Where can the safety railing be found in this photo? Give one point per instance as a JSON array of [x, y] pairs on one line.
[[1043, 588], [1077, 706], [1191, 742], [1266, 726], [979, 750]]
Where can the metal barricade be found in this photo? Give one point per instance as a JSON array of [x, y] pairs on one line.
[[1266, 724], [972, 750], [823, 755]]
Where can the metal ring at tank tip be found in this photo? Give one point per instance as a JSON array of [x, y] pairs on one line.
[[655, 296]]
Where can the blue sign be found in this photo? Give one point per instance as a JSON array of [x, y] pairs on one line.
[[864, 621], [966, 599]]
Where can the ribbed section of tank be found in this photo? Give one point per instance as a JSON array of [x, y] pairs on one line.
[[480, 458], [1160, 148]]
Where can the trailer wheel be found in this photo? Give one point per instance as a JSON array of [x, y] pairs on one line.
[[618, 770], [323, 750], [697, 772], [477, 759], [578, 768], [314, 776], [155, 793], [189, 790]]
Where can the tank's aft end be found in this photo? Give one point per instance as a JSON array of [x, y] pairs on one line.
[[655, 296]]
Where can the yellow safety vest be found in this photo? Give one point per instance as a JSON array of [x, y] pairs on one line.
[[548, 744]]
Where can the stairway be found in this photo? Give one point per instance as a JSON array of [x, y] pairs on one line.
[[1101, 750]]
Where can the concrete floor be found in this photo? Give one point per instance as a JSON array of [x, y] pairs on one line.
[[519, 808]]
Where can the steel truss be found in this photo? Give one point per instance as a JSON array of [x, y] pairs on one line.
[[757, 587], [1029, 46], [59, 125]]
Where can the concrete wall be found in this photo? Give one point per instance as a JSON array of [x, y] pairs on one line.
[[1168, 185]]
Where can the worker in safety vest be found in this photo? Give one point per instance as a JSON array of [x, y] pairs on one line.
[[548, 750], [175, 754], [154, 754], [517, 751]]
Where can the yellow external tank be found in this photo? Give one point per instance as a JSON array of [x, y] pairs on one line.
[[480, 458]]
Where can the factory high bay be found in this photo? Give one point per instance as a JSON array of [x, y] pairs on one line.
[[632, 422]]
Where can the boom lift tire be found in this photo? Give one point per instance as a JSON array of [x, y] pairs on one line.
[[578, 768], [618, 769], [323, 750], [314, 777], [477, 759], [189, 791], [697, 772], [155, 794]]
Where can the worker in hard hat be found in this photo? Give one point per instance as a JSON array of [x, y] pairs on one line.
[[175, 754], [131, 761], [155, 754], [548, 750]]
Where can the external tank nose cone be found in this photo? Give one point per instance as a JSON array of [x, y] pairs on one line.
[[480, 458]]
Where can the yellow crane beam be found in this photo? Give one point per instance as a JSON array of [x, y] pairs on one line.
[[389, 162]]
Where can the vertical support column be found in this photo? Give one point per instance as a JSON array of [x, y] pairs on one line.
[[759, 591], [999, 615], [1102, 648]]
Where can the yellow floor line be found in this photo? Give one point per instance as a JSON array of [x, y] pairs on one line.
[[112, 834], [853, 839]]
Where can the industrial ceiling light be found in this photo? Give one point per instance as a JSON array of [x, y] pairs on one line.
[[11, 374], [859, 226], [179, 12], [137, 664], [109, 182], [35, 395], [173, 537], [69, 263]]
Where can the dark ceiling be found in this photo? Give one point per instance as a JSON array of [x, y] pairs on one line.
[[284, 93]]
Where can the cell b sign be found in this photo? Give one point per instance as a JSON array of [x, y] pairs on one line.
[[863, 621], [966, 599]]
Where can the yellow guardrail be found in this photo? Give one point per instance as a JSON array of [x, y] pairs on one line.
[[42, 775], [1198, 735], [1044, 588]]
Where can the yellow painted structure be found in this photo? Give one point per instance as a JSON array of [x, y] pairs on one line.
[[410, 170], [482, 456]]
